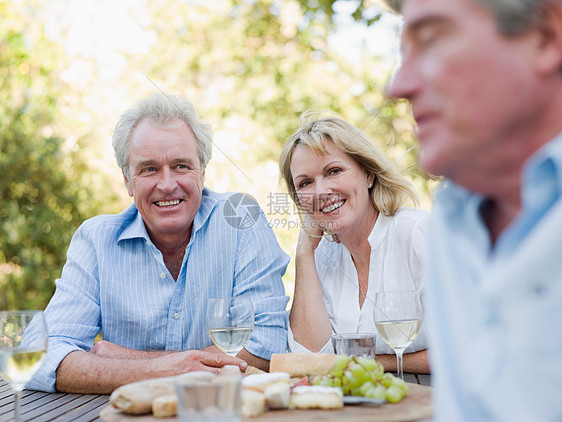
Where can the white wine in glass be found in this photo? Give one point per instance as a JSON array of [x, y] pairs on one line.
[[230, 321], [22, 350], [398, 316]]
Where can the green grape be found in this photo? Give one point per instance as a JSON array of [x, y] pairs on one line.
[[317, 380], [336, 372], [373, 368], [400, 383], [337, 382], [378, 372], [378, 392], [326, 382], [387, 379], [358, 371], [356, 391], [368, 364], [352, 380], [340, 362], [394, 394], [366, 386], [360, 374]]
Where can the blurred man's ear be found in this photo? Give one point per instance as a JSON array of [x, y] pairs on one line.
[[549, 55]]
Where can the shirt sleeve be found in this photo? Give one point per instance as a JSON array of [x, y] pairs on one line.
[[73, 314], [296, 347], [260, 265]]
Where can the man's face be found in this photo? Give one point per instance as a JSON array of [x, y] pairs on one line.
[[166, 179], [471, 88]]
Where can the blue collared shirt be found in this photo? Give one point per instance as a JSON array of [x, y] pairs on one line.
[[497, 310], [115, 280]]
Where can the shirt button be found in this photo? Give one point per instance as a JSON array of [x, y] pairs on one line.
[[162, 276], [176, 315]]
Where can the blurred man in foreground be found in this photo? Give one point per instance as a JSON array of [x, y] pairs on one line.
[[484, 78], [143, 276]]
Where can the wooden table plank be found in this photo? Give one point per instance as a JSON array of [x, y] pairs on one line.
[[88, 411], [4, 386], [31, 408], [424, 379], [55, 409]]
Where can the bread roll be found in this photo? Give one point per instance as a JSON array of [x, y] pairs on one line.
[[165, 406], [136, 398], [231, 370], [277, 395], [316, 397], [253, 403], [251, 370], [259, 382], [302, 364]]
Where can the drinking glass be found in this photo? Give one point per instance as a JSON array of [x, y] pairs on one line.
[[215, 401], [398, 316], [21, 352], [230, 321], [355, 344]]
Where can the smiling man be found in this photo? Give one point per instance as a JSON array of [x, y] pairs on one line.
[[484, 79], [143, 277]]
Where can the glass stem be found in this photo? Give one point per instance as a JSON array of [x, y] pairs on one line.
[[17, 405], [400, 363]]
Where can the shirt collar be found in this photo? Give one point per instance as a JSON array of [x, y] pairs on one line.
[[133, 226], [545, 164], [541, 185]]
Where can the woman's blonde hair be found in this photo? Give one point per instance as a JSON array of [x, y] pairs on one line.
[[390, 188]]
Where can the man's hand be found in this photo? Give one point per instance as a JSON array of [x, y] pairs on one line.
[[196, 360]]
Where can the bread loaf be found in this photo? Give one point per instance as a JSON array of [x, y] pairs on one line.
[[165, 406], [259, 382], [253, 403], [136, 398], [302, 364], [316, 397], [277, 395], [251, 370]]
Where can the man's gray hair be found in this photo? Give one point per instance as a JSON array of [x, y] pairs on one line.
[[512, 16], [161, 109]]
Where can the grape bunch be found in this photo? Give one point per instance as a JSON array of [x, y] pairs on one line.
[[363, 377]]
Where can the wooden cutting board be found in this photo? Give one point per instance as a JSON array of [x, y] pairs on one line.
[[416, 406]]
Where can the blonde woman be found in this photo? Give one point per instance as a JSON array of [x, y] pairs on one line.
[[348, 189]]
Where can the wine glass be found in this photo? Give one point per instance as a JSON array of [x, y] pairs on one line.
[[22, 351], [398, 317], [230, 321]]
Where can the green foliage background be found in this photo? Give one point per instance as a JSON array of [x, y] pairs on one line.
[[250, 67]]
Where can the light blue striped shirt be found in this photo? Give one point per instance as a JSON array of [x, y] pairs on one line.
[[496, 349], [115, 280]]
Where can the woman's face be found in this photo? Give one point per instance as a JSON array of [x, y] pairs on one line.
[[332, 189]]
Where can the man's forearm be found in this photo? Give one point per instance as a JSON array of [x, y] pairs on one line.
[[253, 360], [111, 350], [416, 363], [83, 372]]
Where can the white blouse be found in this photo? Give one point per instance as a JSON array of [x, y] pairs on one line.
[[397, 249]]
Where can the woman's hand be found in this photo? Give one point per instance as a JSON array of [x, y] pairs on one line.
[[310, 234]]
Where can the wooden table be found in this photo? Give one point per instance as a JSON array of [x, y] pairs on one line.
[[43, 407], [38, 406]]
